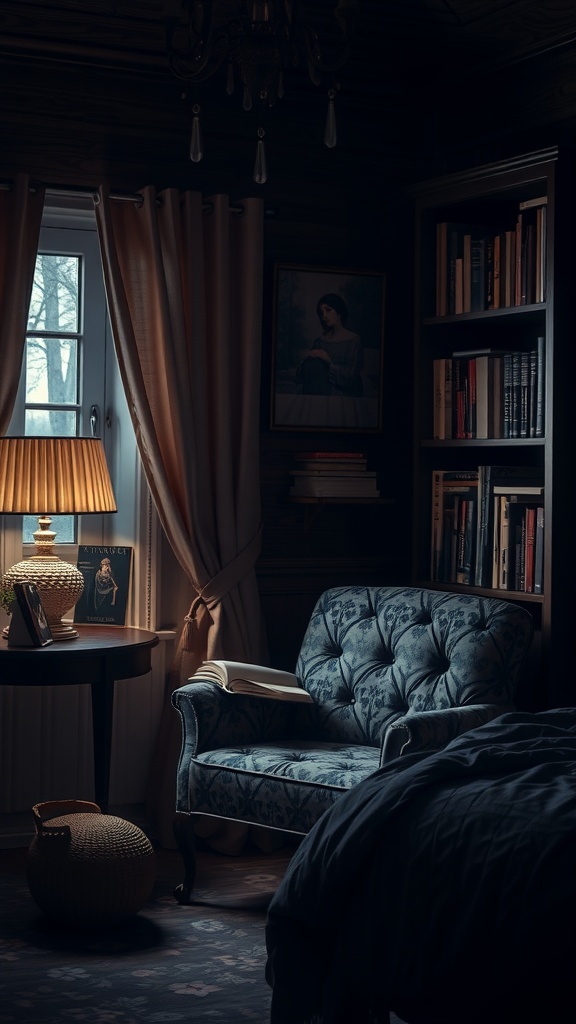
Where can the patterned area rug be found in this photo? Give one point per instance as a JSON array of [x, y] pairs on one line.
[[169, 963], [203, 964]]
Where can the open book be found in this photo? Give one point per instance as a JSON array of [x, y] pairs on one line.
[[258, 680]]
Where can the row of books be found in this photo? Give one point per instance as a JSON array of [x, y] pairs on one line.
[[484, 393], [482, 267], [488, 528], [333, 475]]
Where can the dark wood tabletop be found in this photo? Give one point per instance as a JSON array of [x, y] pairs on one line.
[[98, 656], [123, 651]]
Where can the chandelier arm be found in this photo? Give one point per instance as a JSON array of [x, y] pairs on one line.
[[261, 39], [201, 62]]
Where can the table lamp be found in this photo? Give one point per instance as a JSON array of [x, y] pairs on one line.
[[46, 476]]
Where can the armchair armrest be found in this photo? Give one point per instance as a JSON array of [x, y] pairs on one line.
[[212, 717], [432, 730]]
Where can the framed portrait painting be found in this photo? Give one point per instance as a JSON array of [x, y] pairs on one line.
[[327, 349]]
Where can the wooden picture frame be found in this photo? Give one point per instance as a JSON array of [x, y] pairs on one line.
[[342, 389]]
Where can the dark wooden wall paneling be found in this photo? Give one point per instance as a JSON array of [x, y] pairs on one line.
[[86, 96]]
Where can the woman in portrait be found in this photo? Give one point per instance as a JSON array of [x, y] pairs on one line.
[[334, 361], [104, 585]]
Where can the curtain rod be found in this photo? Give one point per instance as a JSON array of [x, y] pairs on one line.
[[91, 193]]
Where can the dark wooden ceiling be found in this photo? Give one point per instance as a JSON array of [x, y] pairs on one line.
[[86, 93]]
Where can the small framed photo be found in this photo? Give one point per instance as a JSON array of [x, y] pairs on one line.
[[327, 352], [29, 625]]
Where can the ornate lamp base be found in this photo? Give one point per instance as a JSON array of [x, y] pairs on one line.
[[60, 584]]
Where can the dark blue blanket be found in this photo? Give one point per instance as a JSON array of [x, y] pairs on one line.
[[443, 888]]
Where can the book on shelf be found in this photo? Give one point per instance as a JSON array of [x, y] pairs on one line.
[[477, 273], [469, 352], [329, 456], [489, 272], [524, 393], [478, 394], [449, 489], [540, 378], [515, 395], [442, 373], [529, 540], [28, 623], [497, 274], [509, 267], [489, 393], [489, 478], [539, 551], [518, 545], [467, 272], [463, 397], [466, 528], [255, 680], [462, 267], [526, 204], [518, 490], [540, 254], [324, 486], [482, 267], [516, 515], [449, 268], [333, 472], [332, 467]]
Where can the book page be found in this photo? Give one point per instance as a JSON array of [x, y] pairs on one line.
[[225, 671], [270, 690]]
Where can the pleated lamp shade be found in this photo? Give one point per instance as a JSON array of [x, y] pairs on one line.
[[47, 476]]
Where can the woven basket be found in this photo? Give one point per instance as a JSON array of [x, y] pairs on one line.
[[88, 869]]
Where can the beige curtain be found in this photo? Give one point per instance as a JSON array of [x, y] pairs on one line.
[[184, 288], [20, 219]]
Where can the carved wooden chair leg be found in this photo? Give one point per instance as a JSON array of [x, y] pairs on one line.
[[184, 836]]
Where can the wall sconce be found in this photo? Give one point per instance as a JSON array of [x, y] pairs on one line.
[[46, 476]]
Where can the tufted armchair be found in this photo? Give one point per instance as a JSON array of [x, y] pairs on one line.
[[391, 670]]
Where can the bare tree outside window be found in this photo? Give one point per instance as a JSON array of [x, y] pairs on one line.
[[52, 361]]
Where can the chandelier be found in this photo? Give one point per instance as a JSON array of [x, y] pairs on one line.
[[258, 41]]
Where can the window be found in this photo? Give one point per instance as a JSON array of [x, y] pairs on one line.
[[70, 384], [62, 388]]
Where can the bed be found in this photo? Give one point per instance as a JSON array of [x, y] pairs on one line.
[[467, 916]]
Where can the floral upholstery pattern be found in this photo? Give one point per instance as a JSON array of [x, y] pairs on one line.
[[391, 670]]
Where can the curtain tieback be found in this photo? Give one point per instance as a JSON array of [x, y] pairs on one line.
[[229, 576]]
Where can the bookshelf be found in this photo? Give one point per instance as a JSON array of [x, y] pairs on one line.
[[535, 301]]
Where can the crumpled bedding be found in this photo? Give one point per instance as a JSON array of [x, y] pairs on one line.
[[442, 888]]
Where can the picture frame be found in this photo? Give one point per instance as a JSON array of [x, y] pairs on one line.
[[28, 623], [342, 389], [107, 571]]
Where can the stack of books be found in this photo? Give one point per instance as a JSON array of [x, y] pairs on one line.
[[333, 475], [488, 528], [482, 267], [482, 393]]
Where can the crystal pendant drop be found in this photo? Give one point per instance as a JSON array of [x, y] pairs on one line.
[[247, 99], [196, 144], [260, 170], [330, 134]]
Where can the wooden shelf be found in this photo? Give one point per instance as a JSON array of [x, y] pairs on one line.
[[493, 196]]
